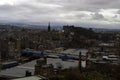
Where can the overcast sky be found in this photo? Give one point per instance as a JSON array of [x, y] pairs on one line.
[[90, 13]]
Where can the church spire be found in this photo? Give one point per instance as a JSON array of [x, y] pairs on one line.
[[49, 27]]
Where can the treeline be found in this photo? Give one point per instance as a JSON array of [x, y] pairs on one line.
[[75, 74]]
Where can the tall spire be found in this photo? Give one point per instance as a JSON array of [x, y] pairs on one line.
[[49, 28]]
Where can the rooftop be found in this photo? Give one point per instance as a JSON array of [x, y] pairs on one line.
[[75, 51], [19, 71], [30, 78], [65, 64]]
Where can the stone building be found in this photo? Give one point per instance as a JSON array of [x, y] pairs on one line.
[[4, 49], [41, 68]]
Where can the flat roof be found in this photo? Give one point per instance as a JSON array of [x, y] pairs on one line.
[[65, 64], [75, 51], [29, 78], [19, 71], [9, 62]]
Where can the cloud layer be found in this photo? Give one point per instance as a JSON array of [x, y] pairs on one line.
[[91, 13]]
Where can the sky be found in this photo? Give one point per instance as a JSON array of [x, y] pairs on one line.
[[88, 13]]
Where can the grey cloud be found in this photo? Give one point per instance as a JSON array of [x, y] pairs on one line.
[[115, 16], [51, 10], [98, 16], [118, 12]]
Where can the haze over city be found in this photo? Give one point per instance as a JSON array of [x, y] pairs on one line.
[[86, 13], [59, 39]]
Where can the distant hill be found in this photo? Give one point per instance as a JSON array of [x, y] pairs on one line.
[[102, 30], [35, 26]]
